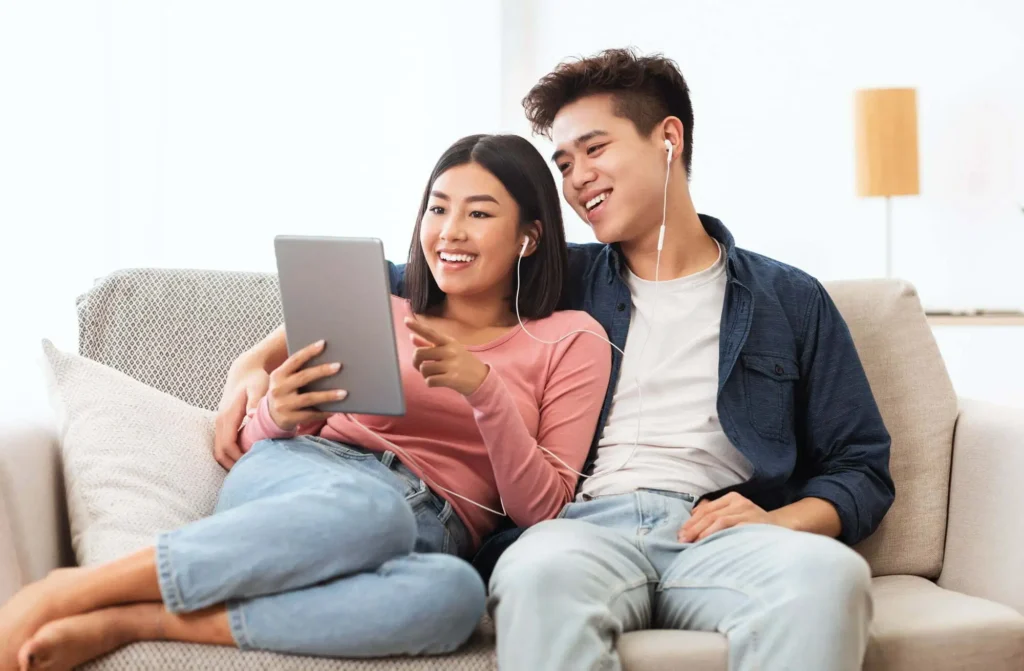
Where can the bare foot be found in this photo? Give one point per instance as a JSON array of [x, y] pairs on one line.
[[28, 610], [64, 644]]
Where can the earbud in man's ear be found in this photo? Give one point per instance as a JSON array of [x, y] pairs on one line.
[[668, 146]]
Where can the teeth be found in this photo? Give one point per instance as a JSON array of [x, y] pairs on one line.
[[456, 258], [596, 200]]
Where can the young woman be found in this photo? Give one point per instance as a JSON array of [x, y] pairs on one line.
[[344, 535]]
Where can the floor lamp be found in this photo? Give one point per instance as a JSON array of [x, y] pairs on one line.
[[887, 150]]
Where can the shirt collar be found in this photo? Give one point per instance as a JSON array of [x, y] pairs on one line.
[[715, 228]]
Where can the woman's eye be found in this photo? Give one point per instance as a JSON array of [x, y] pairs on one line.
[[437, 209], [477, 214]]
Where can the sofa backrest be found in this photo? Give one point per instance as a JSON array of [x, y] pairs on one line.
[[912, 388], [179, 331]]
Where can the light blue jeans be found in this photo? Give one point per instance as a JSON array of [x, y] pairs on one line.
[[319, 548], [568, 588]]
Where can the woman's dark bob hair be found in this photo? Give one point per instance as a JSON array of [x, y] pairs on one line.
[[521, 169]]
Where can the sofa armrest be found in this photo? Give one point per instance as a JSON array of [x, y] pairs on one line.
[[33, 519], [985, 532]]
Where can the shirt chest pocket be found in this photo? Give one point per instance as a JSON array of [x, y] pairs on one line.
[[769, 382]]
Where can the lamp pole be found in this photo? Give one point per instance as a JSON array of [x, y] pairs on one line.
[[888, 236]]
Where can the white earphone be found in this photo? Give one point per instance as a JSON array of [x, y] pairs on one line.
[[657, 271], [640, 408], [661, 232]]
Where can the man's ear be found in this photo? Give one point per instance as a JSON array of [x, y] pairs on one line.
[[670, 129]]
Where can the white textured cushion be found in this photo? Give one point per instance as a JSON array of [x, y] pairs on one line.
[[136, 461]]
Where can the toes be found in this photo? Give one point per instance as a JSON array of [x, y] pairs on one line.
[[26, 658], [33, 655]]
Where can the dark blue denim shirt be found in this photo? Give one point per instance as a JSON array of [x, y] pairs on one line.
[[792, 394]]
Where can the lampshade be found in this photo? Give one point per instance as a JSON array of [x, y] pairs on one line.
[[887, 142]]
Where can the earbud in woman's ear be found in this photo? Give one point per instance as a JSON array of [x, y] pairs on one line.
[[526, 242]]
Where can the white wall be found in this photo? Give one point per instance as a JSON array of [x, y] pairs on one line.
[[984, 362], [189, 134], [773, 85], [160, 133]]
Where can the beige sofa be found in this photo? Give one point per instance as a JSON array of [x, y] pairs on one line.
[[948, 560]]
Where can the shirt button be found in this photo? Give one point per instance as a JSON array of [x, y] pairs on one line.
[[779, 370], [620, 307]]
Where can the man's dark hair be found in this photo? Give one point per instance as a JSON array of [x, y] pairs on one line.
[[646, 89], [526, 176]]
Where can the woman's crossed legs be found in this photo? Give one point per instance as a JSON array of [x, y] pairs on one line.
[[307, 553]]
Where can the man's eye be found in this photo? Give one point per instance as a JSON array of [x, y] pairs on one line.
[[596, 147], [562, 167]]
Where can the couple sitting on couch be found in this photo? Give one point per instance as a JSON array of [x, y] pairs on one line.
[[736, 436]]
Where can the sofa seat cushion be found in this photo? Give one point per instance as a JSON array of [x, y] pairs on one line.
[[476, 655], [666, 650], [919, 625]]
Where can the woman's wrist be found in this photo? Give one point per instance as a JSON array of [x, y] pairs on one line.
[[255, 359], [265, 356], [480, 376], [240, 369]]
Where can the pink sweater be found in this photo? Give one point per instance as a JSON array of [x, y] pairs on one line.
[[485, 445]]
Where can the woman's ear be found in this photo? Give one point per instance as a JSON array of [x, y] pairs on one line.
[[532, 231]]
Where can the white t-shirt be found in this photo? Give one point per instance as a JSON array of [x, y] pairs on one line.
[[682, 447]]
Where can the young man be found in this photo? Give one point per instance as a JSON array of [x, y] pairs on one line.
[[715, 496]]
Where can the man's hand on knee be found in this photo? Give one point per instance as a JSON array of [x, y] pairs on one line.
[[810, 514], [729, 511]]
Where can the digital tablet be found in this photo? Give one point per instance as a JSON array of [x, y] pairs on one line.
[[337, 290]]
